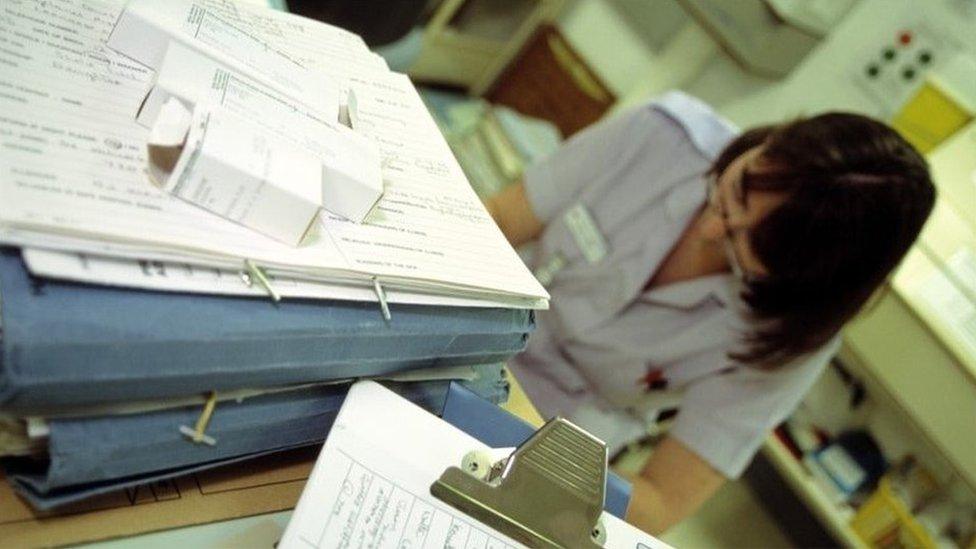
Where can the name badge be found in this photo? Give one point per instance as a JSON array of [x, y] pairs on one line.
[[585, 232]]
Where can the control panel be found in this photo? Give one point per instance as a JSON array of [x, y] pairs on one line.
[[894, 68]]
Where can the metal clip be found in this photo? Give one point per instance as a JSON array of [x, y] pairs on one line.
[[198, 433], [548, 493], [252, 272], [381, 295]]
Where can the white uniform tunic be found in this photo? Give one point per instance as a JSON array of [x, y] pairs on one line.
[[609, 354]]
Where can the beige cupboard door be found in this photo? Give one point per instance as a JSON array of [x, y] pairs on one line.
[[468, 43]]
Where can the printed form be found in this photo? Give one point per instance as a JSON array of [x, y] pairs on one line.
[[371, 484], [189, 278], [72, 176]]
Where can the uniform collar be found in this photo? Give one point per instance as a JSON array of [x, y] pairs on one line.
[[709, 132], [689, 294]]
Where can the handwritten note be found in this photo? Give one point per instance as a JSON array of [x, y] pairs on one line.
[[361, 494], [74, 158], [430, 222], [371, 510]]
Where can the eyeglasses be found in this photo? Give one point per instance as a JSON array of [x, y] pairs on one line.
[[731, 251]]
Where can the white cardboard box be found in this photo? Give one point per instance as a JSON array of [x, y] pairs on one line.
[[184, 74], [234, 169], [157, 33], [217, 63], [352, 181], [351, 178]]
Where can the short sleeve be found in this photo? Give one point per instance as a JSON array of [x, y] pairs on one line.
[[554, 183], [724, 418]]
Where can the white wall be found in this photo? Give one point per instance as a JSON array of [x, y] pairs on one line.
[[826, 78], [694, 62], [722, 82], [624, 61], [606, 42]]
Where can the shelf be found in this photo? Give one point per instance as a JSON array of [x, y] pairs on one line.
[[835, 518], [900, 358]]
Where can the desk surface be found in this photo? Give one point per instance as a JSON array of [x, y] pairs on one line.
[[519, 404]]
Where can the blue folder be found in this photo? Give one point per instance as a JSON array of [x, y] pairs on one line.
[[92, 456], [68, 345], [497, 428]]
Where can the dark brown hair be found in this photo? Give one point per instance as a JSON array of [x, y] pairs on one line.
[[857, 195]]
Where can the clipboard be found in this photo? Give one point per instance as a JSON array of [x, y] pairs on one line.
[[371, 486]]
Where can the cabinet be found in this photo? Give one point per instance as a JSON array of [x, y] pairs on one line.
[[468, 43]]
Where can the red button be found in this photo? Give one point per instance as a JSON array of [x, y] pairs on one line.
[[653, 380], [905, 38]]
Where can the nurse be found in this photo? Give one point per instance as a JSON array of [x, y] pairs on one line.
[[697, 269]]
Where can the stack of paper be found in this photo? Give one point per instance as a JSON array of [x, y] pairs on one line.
[[115, 377], [100, 385], [124, 447], [72, 174], [67, 346]]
